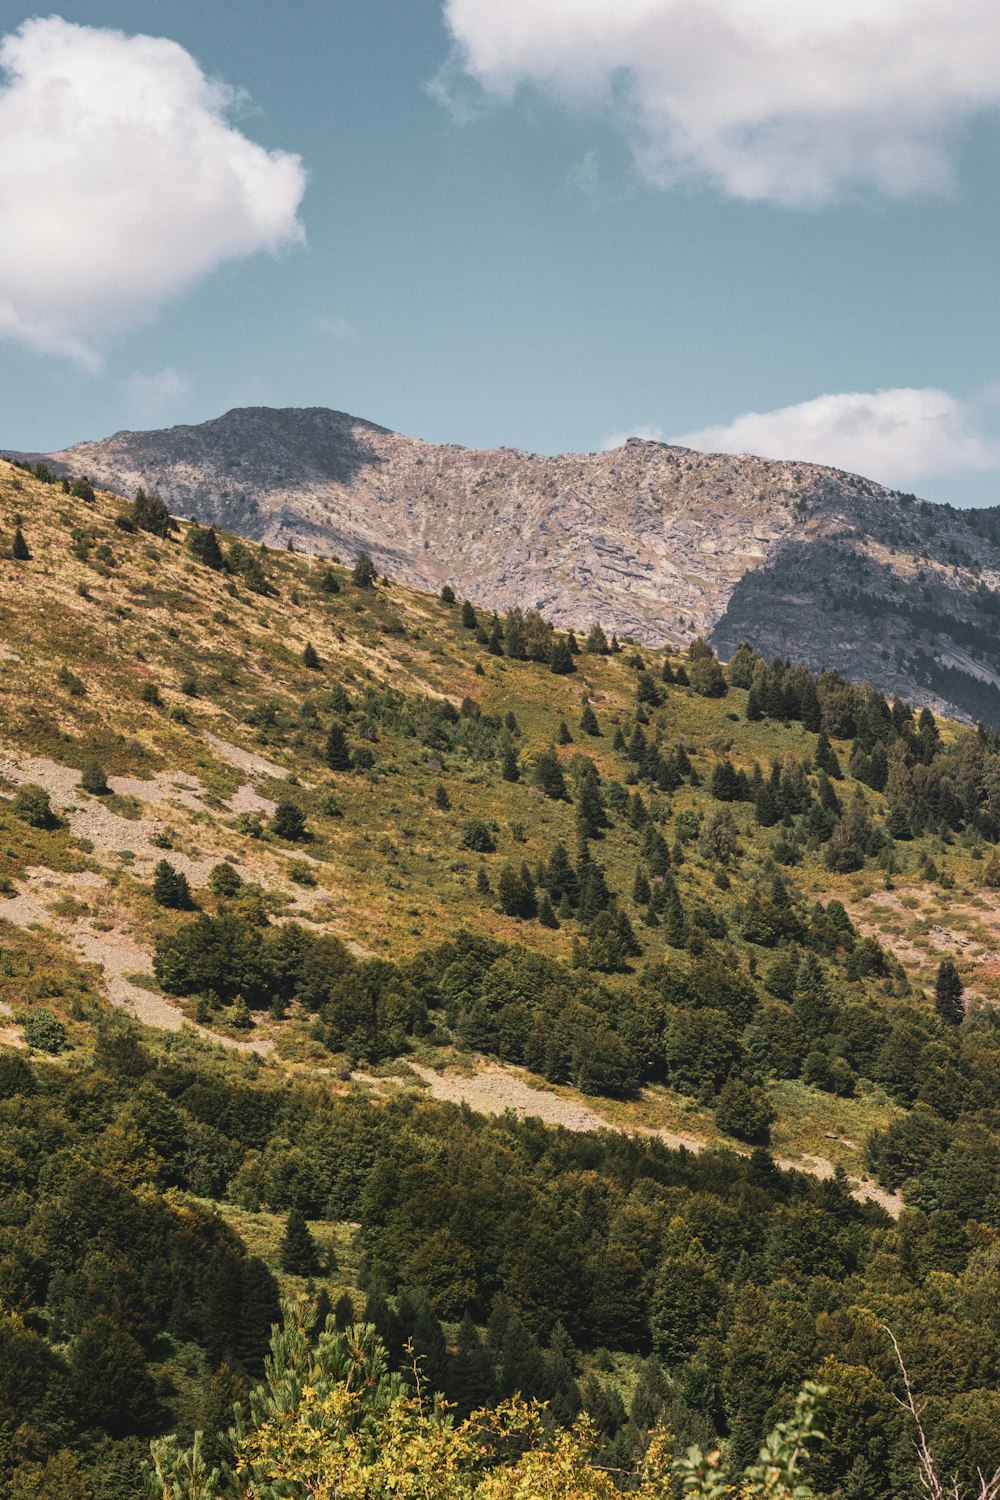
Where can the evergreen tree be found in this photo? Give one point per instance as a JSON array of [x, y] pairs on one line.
[[563, 736], [447, 594], [588, 721], [336, 753], [483, 887], [258, 1312], [510, 766], [561, 657], [309, 656], [298, 1255], [343, 1312], [170, 887], [363, 574], [948, 991], [546, 916], [596, 643], [211, 552], [441, 798], [289, 822], [469, 619], [19, 547]]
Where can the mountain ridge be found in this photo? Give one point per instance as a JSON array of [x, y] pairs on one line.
[[659, 542]]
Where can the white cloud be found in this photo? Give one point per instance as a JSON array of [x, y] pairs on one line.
[[895, 436], [651, 432], [794, 101], [153, 398], [121, 183]]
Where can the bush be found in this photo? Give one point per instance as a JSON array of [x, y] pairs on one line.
[[743, 1110], [44, 1032], [93, 779], [225, 880], [34, 807], [477, 835]]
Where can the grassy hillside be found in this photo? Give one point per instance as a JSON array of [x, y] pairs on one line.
[[189, 689], [365, 842]]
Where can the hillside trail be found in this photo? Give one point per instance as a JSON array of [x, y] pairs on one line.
[[494, 1087]]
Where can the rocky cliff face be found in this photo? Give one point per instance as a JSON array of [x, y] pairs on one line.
[[657, 542]]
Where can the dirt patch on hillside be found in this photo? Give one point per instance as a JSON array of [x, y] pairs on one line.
[[493, 1088]]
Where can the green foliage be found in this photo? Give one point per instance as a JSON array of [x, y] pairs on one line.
[[44, 1031], [33, 806], [170, 887]]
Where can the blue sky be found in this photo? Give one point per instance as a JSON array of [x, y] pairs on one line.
[[541, 224]]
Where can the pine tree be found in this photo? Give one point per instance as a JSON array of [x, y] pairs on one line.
[[309, 656], [441, 798], [211, 552], [563, 736], [588, 721], [363, 574], [343, 1312], [336, 754], [170, 887], [19, 547], [289, 822], [546, 916], [447, 595], [510, 768], [561, 657], [483, 887], [298, 1254], [469, 619], [948, 991]]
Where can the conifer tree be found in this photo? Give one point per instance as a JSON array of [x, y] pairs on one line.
[[298, 1254], [510, 768], [469, 619], [563, 736], [170, 887], [948, 991], [561, 657], [336, 754], [19, 547], [588, 721], [211, 552], [546, 916], [309, 657], [363, 574]]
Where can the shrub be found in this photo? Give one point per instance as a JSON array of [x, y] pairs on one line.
[[225, 880], [33, 806], [93, 779], [477, 835], [44, 1032]]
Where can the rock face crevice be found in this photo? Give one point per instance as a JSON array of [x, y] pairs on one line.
[[657, 542]]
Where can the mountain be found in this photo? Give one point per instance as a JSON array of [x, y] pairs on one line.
[[607, 1024], [660, 543]]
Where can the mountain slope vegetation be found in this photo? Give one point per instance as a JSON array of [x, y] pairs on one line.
[[282, 836]]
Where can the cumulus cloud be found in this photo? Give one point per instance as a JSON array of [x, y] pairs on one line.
[[122, 182], [896, 436], [793, 101]]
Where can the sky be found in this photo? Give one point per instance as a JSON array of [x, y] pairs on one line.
[[763, 227]]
